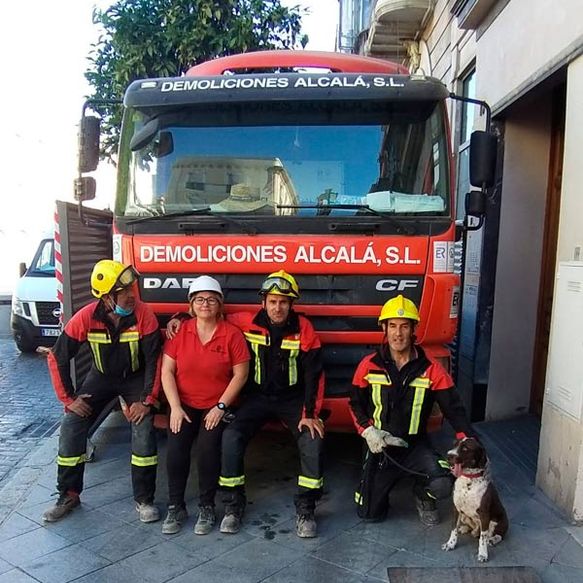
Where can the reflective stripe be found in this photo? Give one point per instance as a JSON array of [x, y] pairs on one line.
[[312, 483], [358, 498], [290, 344], [134, 351], [232, 482], [96, 356], [420, 382], [144, 462], [378, 405], [257, 338], [293, 346], [133, 339], [293, 367], [378, 378], [257, 377], [99, 337], [431, 495], [444, 464], [416, 410], [71, 461]]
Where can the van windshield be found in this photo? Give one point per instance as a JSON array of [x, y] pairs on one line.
[[43, 264]]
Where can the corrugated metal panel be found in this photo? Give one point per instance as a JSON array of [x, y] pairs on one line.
[[82, 245]]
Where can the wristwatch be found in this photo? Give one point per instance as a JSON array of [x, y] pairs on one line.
[[221, 406]]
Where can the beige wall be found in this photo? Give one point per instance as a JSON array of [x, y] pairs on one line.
[[523, 43], [526, 160], [560, 462]]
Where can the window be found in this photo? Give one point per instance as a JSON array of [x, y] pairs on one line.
[[466, 126]]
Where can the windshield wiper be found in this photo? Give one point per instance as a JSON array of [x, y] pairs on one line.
[[200, 211], [205, 211], [388, 216]]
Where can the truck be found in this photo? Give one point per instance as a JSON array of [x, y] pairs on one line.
[[334, 167]]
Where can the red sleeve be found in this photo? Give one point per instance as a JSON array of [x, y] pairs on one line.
[[440, 379], [148, 322], [238, 350], [78, 326], [309, 339], [358, 379], [241, 320], [171, 346]]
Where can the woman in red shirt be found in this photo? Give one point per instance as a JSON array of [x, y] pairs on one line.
[[203, 369]]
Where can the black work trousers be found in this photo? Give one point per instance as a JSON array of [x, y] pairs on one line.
[[255, 411], [380, 475], [208, 458], [75, 429]]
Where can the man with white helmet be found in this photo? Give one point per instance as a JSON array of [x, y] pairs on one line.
[[393, 393], [125, 341]]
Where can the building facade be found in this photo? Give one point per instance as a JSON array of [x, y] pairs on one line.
[[525, 58]]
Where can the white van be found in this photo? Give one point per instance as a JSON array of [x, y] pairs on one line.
[[35, 319]]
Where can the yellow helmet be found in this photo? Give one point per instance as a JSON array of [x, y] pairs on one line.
[[280, 283], [399, 307], [111, 276]]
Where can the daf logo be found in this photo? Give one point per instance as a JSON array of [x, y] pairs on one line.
[[56, 313], [385, 285]]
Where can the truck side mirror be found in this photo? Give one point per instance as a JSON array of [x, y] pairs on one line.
[[89, 130], [84, 188], [475, 203], [483, 151], [21, 269]]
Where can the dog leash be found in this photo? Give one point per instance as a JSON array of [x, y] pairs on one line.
[[405, 469]]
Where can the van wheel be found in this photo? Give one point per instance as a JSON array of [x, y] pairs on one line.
[[23, 343]]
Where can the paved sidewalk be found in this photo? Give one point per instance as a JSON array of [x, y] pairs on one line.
[[103, 541]]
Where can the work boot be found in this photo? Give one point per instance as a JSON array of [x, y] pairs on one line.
[[206, 520], [148, 512], [306, 525], [427, 511], [174, 520], [63, 506], [231, 523]]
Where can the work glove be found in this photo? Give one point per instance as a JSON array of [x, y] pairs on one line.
[[377, 439]]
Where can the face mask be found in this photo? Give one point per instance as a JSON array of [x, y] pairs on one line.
[[122, 311]]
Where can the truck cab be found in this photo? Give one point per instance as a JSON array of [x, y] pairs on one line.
[[35, 316]]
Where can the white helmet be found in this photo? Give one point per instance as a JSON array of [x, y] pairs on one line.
[[204, 283]]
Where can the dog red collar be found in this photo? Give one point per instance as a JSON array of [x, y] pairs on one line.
[[475, 474]]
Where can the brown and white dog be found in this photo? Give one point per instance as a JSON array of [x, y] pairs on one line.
[[478, 509]]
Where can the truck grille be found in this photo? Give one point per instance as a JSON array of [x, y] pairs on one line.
[[44, 311]]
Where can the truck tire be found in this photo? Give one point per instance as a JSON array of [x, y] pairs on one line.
[[23, 343]]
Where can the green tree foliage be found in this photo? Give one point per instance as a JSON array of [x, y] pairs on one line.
[[161, 38]]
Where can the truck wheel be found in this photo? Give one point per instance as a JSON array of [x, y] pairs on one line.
[[23, 343]]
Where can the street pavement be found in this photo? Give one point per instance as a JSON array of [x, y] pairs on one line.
[[103, 540], [29, 411]]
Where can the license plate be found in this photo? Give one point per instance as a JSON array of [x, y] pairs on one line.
[[50, 331]]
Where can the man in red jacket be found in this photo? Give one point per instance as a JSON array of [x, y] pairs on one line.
[[285, 382], [393, 393], [124, 338]]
